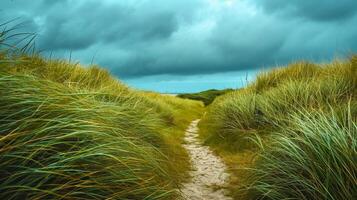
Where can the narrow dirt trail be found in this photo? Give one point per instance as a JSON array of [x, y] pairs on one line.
[[208, 171]]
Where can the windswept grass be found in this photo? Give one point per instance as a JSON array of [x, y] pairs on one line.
[[313, 159], [296, 71], [270, 105], [70, 132], [254, 109], [230, 120]]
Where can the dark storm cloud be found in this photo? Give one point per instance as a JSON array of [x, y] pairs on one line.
[[135, 38], [324, 10], [92, 22]]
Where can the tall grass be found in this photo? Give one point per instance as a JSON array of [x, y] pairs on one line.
[[313, 159], [267, 103], [272, 104], [70, 132], [13, 41], [297, 71], [231, 120], [63, 143]]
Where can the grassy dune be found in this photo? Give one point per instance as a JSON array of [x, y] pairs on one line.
[[291, 134], [73, 132]]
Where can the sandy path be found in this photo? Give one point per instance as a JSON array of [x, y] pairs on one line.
[[208, 171]]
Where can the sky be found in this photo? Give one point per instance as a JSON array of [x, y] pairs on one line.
[[179, 46]]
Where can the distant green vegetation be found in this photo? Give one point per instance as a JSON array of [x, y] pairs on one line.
[[291, 134], [207, 97], [69, 132]]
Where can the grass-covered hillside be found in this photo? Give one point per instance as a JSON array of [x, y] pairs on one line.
[[291, 134], [207, 97], [73, 132]]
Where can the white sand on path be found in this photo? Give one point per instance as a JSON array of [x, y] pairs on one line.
[[208, 173]]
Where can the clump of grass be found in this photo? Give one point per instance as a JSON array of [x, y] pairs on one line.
[[58, 142], [69, 132], [13, 41], [71, 75], [298, 71], [269, 105], [313, 159], [70, 143], [235, 119]]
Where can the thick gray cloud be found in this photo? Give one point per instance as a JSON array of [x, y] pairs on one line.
[[321, 10], [136, 38]]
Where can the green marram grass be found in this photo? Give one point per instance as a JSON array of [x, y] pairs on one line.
[[73, 132], [230, 120], [286, 91], [315, 158], [66, 144], [308, 146]]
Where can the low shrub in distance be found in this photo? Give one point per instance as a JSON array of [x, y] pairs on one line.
[[207, 97]]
